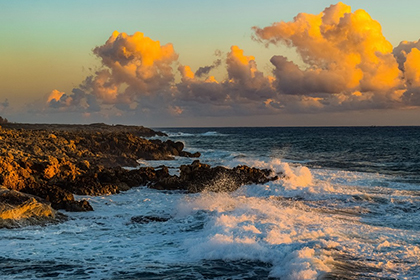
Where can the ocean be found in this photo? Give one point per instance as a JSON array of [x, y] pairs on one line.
[[347, 208]]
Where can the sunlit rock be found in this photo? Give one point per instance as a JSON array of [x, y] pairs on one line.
[[19, 209]]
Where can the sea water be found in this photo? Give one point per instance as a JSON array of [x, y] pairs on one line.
[[347, 208]]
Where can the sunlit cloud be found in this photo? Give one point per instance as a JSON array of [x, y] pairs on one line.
[[142, 64], [402, 50], [347, 65], [55, 95], [344, 52]]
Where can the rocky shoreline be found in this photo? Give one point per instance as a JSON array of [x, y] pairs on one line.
[[43, 166]]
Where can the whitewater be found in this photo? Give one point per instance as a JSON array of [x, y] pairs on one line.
[[347, 208]]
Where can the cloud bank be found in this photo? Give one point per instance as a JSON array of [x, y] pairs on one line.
[[347, 65]]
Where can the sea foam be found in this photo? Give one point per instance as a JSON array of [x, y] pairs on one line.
[[313, 222]]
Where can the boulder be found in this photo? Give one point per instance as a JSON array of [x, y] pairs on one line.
[[19, 209]]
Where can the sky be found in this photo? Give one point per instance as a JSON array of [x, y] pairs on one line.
[[168, 63]]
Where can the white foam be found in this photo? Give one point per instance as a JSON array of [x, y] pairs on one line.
[[260, 229], [187, 135], [212, 133], [302, 224], [178, 134], [253, 224]]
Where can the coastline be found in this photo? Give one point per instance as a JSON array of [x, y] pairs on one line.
[[53, 162], [328, 210]]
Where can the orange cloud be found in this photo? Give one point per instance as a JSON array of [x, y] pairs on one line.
[[239, 66], [412, 68], [338, 45], [400, 52], [348, 65], [186, 73], [55, 95], [135, 61]]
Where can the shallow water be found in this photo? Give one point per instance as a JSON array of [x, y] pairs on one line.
[[323, 221]]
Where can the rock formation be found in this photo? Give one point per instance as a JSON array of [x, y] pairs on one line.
[[54, 162], [19, 209], [43, 166], [198, 177]]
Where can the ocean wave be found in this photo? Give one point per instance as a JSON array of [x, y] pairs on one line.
[[305, 236], [184, 134], [179, 134], [212, 133], [308, 227]]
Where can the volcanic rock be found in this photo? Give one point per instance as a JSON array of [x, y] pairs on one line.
[[56, 161], [20, 209], [198, 177]]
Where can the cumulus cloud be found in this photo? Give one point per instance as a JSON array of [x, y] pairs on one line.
[[134, 69], [141, 63], [402, 50], [344, 52], [245, 80], [245, 89], [78, 100], [347, 65], [412, 68]]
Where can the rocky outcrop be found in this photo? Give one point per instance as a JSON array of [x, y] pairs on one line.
[[56, 161], [198, 177], [20, 209], [140, 131], [108, 148], [101, 181]]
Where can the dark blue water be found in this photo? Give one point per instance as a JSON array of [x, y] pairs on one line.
[[384, 150]]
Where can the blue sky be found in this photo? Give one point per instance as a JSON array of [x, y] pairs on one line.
[[48, 45]]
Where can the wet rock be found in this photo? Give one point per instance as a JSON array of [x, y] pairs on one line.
[[148, 219], [56, 161], [198, 177], [19, 209], [78, 206], [103, 181], [58, 198]]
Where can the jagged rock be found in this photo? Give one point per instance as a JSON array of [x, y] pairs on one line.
[[101, 180], [56, 161], [198, 177], [58, 197], [19, 209]]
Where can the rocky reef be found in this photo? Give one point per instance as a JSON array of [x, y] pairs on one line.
[[43, 166], [54, 162]]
